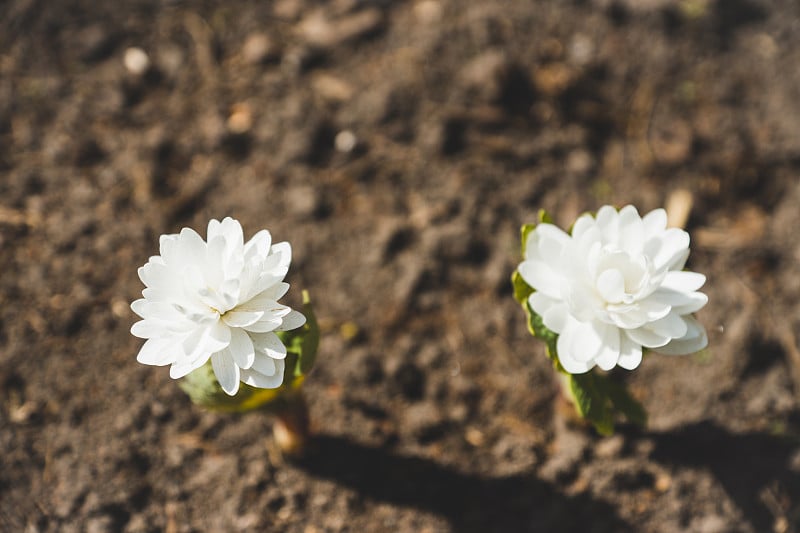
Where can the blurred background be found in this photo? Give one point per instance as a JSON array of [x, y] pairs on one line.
[[399, 146]]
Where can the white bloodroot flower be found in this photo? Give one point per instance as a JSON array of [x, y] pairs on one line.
[[217, 300], [614, 286]]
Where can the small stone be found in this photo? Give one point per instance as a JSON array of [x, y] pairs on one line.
[[136, 61], [579, 161], [482, 75], [259, 48], [345, 141], [332, 88], [302, 200], [428, 11], [609, 447], [552, 79], [241, 118], [318, 30]]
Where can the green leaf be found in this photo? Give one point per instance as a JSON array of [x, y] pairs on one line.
[[524, 232], [591, 403], [544, 217], [625, 403], [301, 343], [521, 289]]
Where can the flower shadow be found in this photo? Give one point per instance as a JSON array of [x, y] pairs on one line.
[[747, 465], [469, 502]]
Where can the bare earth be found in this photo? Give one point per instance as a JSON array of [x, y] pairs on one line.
[[398, 146]]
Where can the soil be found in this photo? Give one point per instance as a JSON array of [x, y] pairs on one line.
[[398, 146]]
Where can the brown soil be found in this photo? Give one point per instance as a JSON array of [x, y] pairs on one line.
[[433, 407]]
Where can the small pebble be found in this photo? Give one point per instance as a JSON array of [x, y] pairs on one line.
[[136, 61], [345, 141]]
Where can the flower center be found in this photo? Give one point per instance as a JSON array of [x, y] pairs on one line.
[[620, 278]]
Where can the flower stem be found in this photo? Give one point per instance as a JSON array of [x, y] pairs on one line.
[[291, 428]]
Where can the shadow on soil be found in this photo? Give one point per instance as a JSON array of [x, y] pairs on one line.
[[470, 502], [753, 468]]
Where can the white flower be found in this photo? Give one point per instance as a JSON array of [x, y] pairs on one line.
[[614, 286], [217, 300]]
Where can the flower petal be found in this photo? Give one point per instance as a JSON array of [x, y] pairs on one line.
[[269, 344], [611, 285], [157, 352], [683, 281], [654, 223], [541, 276], [257, 379], [647, 338], [258, 246], [291, 321], [148, 329], [241, 348], [284, 251], [672, 326], [694, 340], [264, 365], [668, 248], [631, 230], [237, 318], [226, 371], [553, 312], [630, 355], [610, 345]]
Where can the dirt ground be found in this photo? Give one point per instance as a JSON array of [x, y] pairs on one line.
[[399, 146]]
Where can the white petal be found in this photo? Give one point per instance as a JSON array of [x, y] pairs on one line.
[[611, 285], [275, 292], [541, 277], [264, 365], [654, 222], [241, 348], [184, 366], [267, 323], [147, 329], [269, 344], [631, 230], [156, 352], [226, 371], [237, 318], [582, 225], [191, 248], [553, 312], [291, 321], [166, 244], [668, 248], [630, 355], [257, 379], [644, 337], [681, 303], [610, 345], [258, 245], [566, 355], [580, 340], [608, 224], [672, 326], [694, 340], [264, 281], [284, 250], [698, 300], [683, 281]]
